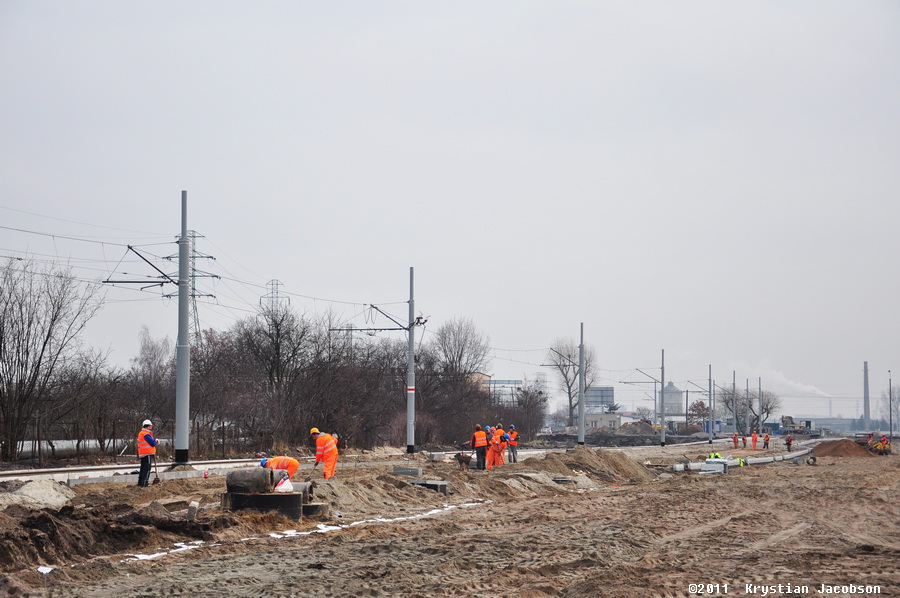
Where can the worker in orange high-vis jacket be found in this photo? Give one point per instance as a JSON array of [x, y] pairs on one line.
[[288, 464], [326, 451], [479, 444], [753, 439], [146, 446], [512, 451]]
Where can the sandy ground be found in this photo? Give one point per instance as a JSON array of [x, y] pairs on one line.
[[607, 526]]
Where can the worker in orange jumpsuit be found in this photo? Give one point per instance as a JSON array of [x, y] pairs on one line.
[[288, 464], [495, 452], [753, 439], [326, 451], [734, 439], [499, 434]]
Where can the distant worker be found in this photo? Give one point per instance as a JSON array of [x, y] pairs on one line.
[[766, 441], [734, 439], [883, 440], [753, 439], [326, 451], [744, 440], [146, 446], [870, 440], [715, 456], [479, 444], [788, 442], [286, 463], [513, 449]]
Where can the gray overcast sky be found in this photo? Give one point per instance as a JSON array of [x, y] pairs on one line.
[[719, 180]]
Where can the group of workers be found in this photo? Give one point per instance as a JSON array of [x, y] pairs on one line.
[[326, 453], [492, 443], [754, 438]]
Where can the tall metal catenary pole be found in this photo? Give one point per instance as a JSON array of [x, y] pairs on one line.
[[734, 397], [890, 409], [759, 427], [662, 400], [411, 373], [581, 388], [866, 413], [710, 397], [183, 346]]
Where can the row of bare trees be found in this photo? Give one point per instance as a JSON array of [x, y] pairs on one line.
[[258, 386]]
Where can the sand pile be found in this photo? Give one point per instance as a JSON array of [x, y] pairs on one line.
[[37, 494], [840, 448]]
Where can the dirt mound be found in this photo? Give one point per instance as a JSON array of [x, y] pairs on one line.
[[840, 448]]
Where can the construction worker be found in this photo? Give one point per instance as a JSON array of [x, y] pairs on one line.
[[788, 442], [883, 440], [286, 463], [753, 438], [715, 456], [146, 446], [512, 451], [766, 441], [326, 451], [734, 439], [744, 440], [479, 444], [494, 452]]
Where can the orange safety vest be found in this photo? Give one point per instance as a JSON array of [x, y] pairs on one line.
[[286, 463], [143, 446], [325, 444], [479, 438], [514, 438]]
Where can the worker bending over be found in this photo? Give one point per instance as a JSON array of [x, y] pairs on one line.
[[288, 464], [326, 451]]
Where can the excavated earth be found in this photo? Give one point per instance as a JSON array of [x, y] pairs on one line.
[[586, 522]]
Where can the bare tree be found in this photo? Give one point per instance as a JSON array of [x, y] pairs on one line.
[[564, 357], [461, 348], [42, 312]]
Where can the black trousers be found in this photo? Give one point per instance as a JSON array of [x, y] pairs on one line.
[[480, 453], [144, 475]]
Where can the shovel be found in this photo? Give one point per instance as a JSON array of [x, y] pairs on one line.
[[312, 472], [156, 480]]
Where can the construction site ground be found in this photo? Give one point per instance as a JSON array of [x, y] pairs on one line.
[[583, 522]]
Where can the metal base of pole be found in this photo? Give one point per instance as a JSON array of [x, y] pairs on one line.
[[662, 443], [410, 448], [181, 457]]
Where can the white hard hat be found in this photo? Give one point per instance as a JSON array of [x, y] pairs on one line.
[[147, 422]]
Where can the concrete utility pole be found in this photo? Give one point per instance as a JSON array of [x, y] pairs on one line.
[[581, 388], [662, 400], [890, 409], [183, 346]]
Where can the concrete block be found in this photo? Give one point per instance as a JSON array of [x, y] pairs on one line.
[[436, 485], [413, 471]]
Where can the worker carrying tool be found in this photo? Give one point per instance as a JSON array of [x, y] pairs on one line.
[[326, 452], [146, 446], [288, 464]]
